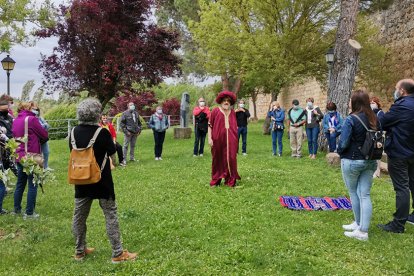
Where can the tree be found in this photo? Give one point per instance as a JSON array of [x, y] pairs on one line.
[[145, 102], [26, 90], [15, 16], [346, 55], [38, 95], [279, 41], [106, 45]]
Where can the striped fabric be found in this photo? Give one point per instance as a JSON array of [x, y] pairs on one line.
[[311, 203]]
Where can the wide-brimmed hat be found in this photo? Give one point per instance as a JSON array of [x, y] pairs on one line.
[[225, 94]]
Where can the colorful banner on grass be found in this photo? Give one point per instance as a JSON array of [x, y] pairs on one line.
[[311, 203]]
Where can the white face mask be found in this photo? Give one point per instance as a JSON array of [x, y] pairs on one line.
[[35, 112], [202, 103], [374, 106], [397, 94], [132, 107], [241, 105], [309, 104], [159, 111]]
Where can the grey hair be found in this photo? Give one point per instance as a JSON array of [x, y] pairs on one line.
[[88, 111]]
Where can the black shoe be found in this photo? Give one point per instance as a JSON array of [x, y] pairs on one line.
[[389, 227], [410, 219]]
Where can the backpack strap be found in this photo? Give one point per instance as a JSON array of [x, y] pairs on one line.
[[359, 119], [26, 132], [290, 116], [301, 116]]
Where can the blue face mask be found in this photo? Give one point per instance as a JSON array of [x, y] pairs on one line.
[[331, 111], [397, 94], [132, 107]]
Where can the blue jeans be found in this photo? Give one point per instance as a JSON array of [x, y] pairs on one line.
[[357, 176], [45, 152], [22, 180], [331, 137], [277, 135], [312, 134], [2, 194], [200, 138], [243, 132]]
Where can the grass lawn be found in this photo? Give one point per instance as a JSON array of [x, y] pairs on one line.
[[180, 226]]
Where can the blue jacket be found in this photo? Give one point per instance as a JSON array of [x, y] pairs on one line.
[[279, 116], [352, 137], [398, 122], [157, 124], [338, 127]]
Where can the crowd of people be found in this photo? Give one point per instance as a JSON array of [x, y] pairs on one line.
[[224, 127]]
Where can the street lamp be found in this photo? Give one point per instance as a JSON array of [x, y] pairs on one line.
[[8, 65], [329, 56]]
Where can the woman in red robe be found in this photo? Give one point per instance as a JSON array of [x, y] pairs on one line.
[[222, 137]]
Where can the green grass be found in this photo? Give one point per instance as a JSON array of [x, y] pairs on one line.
[[180, 226]]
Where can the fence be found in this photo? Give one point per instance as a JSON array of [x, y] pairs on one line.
[[60, 129]]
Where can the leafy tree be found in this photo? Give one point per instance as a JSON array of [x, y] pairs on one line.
[[17, 15], [38, 96], [26, 90], [105, 45], [145, 102], [171, 107]]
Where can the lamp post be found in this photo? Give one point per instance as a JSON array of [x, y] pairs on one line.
[[8, 65], [329, 56]]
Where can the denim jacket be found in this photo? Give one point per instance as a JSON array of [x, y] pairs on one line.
[[338, 127], [279, 116], [157, 124], [352, 137]]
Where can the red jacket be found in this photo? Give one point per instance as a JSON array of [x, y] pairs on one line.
[[111, 129], [197, 110]]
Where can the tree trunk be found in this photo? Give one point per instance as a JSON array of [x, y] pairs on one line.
[[254, 101], [225, 81], [345, 63], [237, 86]]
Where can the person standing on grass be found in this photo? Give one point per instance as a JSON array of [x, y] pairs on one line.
[[105, 123], [159, 125], [376, 107], [201, 115], [131, 127], [88, 113], [242, 115], [277, 117], [35, 137], [313, 116], [332, 124], [222, 137], [399, 146], [45, 146], [356, 171], [297, 118], [6, 121]]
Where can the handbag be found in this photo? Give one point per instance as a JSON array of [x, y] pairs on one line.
[[36, 157]]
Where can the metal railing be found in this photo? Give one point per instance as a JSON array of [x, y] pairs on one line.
[[61, 128]]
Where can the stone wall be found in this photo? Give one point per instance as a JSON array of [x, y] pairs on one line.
[[397, 32]]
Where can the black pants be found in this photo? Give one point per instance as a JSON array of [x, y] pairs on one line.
[[119, 152], [402, 175], [200, 138], [159, 141]]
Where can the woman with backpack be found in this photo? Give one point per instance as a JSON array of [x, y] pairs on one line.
[[89, 133], [356, 170], [159, 124]]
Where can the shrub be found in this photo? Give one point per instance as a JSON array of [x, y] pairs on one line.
[[57, 118], [171, 107], [144, 101]]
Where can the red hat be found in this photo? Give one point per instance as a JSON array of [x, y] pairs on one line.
[[224, 94]]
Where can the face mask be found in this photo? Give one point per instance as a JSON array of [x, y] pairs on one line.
[[241, 105], [331, 111], [397, 94], [295, 107], [104, 121], [35, 112], [310, 104], [202, 103], [159, 111], [132, 107], [374, 106]]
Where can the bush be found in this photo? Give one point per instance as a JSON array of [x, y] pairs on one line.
[[57, 119], [144, 101], [171, 107]]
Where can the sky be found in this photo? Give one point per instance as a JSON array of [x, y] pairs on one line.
[[27, 66]]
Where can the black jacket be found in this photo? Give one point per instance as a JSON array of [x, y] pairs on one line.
[[242, 118], [103, 144]]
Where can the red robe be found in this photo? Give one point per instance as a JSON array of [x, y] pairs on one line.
[[224, 150]]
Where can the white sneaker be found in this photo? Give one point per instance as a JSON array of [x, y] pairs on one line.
[[156, 159], [357, 234], [159, 158], [32, 216], [350, 227], [194, 155], [244, 153], [201, 155]]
